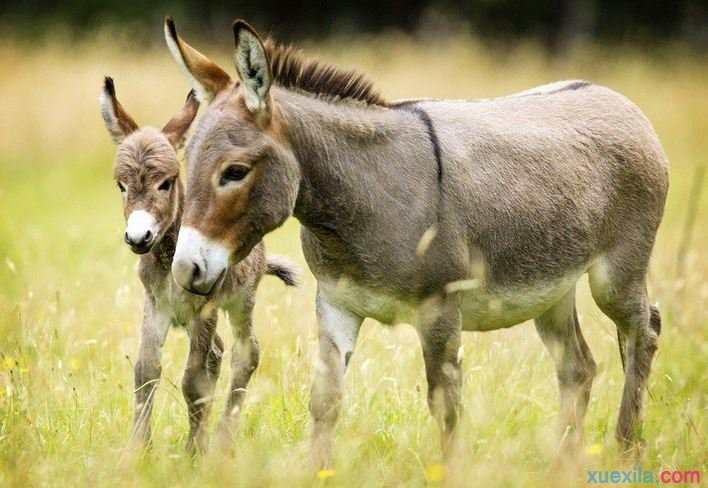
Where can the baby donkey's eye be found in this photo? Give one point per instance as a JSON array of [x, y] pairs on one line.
[[166, 185], [235, 172], [121, 187]]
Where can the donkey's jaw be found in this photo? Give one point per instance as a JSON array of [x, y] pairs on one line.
[[199, 263]]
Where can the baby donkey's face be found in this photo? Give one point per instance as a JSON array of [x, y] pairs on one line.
[[146, 169]]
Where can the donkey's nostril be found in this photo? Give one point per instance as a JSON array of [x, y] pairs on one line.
[[139, 243], [196, 272]]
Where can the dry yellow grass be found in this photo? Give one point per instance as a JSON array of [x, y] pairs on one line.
[[70, 300]]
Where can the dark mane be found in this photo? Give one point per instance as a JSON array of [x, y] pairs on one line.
[[290, 69]]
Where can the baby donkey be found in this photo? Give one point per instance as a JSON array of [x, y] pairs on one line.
[[147, 173]]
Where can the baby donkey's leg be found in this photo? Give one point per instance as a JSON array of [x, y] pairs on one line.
[[200, 375], [147, 370], [244, 361]]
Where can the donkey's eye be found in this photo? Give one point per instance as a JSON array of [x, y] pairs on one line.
[[121, 187], [166, 185], [235, 172]]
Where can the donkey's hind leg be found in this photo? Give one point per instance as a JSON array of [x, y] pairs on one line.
[[620, 292], [203, 365], [244, 361], [440, 337], [560, 331]]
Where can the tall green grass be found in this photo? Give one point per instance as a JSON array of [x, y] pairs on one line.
[[70, 300]]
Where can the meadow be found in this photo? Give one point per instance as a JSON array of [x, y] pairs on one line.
[[70, 300]]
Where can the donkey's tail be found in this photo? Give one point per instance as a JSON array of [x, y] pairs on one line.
[[284, 269]]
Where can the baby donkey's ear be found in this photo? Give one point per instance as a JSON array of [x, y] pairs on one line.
[[177, 127], [118, 122]]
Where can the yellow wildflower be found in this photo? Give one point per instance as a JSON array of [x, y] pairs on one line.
[[323, 474], [435, 472], [75, 364], [9, 362], [595, 449]]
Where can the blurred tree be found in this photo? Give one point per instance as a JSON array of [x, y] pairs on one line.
[[557, 23]]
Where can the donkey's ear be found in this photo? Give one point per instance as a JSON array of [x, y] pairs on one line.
[[117, 120], [207, 78], [253, 67], [178, 125]]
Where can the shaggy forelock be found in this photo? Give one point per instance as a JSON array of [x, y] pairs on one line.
[[144, 150]]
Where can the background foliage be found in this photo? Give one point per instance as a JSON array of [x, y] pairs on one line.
[[555, 23]]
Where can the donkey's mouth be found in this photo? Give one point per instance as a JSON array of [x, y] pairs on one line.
[[141, 249], [214, 286]]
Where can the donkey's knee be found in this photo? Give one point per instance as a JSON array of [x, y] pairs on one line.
[[192, 386], [147, 372], [214, 357], [245, 357], [576, 372]]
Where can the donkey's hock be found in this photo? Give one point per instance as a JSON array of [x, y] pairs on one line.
[[450, 215]]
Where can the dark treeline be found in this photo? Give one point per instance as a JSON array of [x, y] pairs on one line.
[[556, 23]]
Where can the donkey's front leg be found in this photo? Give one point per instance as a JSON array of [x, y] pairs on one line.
[[440, 334], [338, 330], [200, 375], [244, 361], [148, 369]]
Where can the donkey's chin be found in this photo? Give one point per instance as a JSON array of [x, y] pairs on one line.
[[141, 249], [206, 289]]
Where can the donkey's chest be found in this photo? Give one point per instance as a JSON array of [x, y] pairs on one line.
[[176, 303]]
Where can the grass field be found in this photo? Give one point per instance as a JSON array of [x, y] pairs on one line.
[[70, 299]]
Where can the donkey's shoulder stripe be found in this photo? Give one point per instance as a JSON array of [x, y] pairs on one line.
[[429, 128]]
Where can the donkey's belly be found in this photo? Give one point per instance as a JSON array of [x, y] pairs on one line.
[[505, 307], [481, 309]]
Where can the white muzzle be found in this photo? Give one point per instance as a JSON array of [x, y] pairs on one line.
[[199, 263]]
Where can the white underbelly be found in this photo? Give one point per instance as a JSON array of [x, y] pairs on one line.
[[481, 309], [484, 310]]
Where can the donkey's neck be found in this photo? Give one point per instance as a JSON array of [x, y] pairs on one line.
[[351, 155], [164, 251], [369, 184]]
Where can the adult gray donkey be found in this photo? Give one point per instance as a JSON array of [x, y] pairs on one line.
[[450, 215]]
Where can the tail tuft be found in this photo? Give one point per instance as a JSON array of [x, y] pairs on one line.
[[284, 269]]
